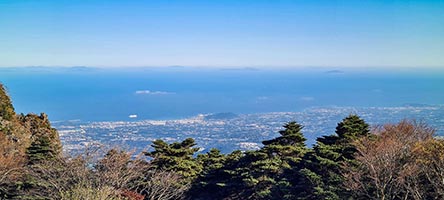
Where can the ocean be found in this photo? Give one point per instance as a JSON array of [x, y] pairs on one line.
[[155, 93]]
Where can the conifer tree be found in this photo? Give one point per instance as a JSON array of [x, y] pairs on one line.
[[267, 173], [45, 142], [40, 150], [6, 108], [322, 166], [212, 180], [176, 157], [211, 161]]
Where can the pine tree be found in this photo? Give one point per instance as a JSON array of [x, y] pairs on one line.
[[267, 173], [45, 142], [176, 157], [212, 180], [211, 161], [322, 166], [40, 150]]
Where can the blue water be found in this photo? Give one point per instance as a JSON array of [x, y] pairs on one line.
[[104, 94]]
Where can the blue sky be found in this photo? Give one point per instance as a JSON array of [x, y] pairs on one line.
[[351, 33]]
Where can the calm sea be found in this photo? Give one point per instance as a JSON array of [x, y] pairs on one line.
[[111, 94]]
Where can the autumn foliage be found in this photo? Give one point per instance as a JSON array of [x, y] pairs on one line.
[[399, 161]]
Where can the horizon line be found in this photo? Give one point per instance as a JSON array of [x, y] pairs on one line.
[[231, 67]]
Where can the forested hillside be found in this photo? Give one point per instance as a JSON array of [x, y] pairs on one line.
[[393, 161]]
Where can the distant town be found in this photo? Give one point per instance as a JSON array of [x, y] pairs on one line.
[[229, 131]]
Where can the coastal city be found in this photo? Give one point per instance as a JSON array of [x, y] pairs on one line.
[[229, 131]]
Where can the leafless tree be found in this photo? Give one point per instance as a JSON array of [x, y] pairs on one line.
[[117, 175], [164, 185], [11, 163], [430, 161], [387, 167]]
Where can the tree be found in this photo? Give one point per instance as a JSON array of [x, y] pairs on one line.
[[40, 150], [164, 185], [45, 142], [82, 177], [386, 166], [6, 108], [323, 166], [212, 162], [267, 173], [120, 171], [429, 160], [11, 167], [176, 157], [218, 179]]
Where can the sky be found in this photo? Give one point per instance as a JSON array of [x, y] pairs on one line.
[[256, 33]]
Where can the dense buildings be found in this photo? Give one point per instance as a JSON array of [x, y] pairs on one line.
[[232, 132]]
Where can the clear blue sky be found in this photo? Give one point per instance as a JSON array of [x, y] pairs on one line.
[[221, 33]]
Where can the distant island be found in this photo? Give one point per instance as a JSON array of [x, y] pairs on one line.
[[219, 116]]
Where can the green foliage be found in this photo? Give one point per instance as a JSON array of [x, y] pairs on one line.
[[177, 157], [322, 166], [261, 174], [218, 179], [212, 180], [352, 127], [6, 108], [40, 150], [45, 142], [268, 172], [211, 161]]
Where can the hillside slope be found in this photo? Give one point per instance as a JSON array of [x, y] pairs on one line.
[[24, 139]]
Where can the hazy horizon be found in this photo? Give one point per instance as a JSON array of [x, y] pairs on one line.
[[99, 94], [234, 67]]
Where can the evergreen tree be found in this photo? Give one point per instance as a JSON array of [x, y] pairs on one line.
[[45, 142], [176, 157], [267, 173], [212, 180], [6, 108], [40, 150], [211, 161], [322, 166]]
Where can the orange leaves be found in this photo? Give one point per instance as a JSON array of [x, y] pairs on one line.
[[11, 163]]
